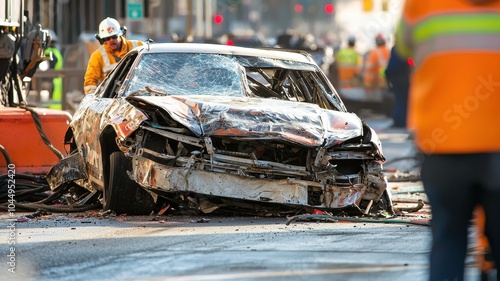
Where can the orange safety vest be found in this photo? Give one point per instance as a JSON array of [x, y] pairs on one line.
[[375, 66], [348, 63], [455, 84], [103, 60]]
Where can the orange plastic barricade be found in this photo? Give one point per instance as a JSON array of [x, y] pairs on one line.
[[23, 143]]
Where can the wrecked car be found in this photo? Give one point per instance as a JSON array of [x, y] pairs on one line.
[[215, 128]]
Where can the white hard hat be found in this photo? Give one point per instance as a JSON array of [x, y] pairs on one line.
[[109, 27]]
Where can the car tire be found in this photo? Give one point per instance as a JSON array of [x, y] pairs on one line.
[[122, 194]]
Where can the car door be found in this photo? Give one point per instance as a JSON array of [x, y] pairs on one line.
[[100, 113]]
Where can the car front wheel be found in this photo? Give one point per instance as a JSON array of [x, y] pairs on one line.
[[122, 194]]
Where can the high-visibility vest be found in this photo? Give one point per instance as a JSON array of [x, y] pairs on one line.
[[57, 90], [376, 63], [348, 62], [455, 83]]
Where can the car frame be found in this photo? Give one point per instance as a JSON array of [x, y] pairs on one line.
[[268, 135]]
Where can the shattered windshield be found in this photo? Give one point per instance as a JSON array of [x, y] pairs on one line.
[[187, 74], [210, 74]]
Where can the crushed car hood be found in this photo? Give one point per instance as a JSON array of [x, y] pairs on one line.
[[254, 118]]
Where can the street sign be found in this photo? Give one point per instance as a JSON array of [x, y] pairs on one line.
[[134, 11]]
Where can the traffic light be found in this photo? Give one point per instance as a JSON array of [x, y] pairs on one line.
[[218, 19], [298, 8], [329, 8], [367, 5]]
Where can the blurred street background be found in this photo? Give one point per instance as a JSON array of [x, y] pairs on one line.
[[320, 27], [329, 21]]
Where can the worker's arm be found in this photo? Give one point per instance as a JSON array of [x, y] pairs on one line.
[[93, 75]]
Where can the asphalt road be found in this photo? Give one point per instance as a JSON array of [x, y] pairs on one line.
[[75, 247], [180, 248], [90, 246]]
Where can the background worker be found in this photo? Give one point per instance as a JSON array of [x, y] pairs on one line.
[[113, 47], [454, 100], [376, 62], [57, 64], [348, 62], [397, 75]]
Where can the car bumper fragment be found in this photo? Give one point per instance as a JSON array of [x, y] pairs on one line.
[[285, 191]]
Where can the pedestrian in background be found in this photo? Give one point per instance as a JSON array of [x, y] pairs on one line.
[[376, 62], [453, 106], [397, 75], [348, 62], [57, 64], [103, 60]]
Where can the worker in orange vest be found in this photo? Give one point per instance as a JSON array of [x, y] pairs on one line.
[[454, 98], [348, 62], [376, 62], [114, 47]]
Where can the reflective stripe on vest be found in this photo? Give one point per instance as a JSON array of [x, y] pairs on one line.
[[347, 58], [450, 32], [107, 67]]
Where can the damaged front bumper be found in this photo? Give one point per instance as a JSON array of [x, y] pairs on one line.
[[333, 180], [284, 191]]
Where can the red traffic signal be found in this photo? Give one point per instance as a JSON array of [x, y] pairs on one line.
[[329, 8], [298, 8], [218, 19]]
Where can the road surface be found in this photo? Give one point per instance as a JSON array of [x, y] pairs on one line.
[[93, 246]]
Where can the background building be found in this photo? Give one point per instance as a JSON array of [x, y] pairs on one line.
[[160, 19], [329, 22]]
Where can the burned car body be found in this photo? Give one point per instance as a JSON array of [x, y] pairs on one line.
[[210, 127]]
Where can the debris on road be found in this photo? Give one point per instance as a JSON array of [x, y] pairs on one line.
[[329, 218]]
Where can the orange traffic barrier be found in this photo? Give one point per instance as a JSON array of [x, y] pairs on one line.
[[24, 144]]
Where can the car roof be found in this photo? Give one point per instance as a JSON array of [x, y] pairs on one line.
[[281, 54]]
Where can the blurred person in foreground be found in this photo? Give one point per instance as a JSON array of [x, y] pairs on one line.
[[397, 74], [453, 106], [348, 62], [376, 62], [114, 46]]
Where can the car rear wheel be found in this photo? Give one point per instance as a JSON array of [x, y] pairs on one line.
[[123, 195]]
